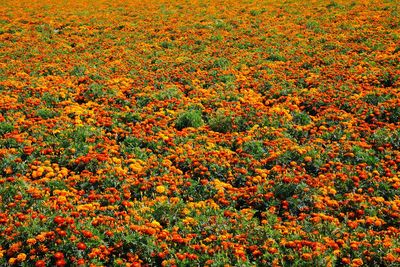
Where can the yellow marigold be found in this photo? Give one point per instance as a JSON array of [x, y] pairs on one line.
[[185, 211], [12, 261], [160, 189], [136, 167], [155, 223], [307, 159], [21, 257], [62, 199], [189, 221]]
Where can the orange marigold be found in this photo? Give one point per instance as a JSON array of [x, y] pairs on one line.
[[21, 257], [357, 262]]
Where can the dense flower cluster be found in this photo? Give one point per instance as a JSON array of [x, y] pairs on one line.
[[199, 133]]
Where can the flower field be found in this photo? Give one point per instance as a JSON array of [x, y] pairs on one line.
[[199, 133]]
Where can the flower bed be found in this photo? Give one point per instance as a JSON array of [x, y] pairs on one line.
[[199, 133]]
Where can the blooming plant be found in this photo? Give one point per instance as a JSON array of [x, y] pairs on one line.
[[199, 133]]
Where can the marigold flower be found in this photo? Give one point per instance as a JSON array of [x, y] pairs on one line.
[[155, 223], [61, 263], [307, 159], [357, 262], [21, 257], [12, 261], [31, 241], [81, 246], [306, 256], [160, 189]]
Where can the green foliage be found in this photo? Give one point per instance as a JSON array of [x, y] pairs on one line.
[[287, 157], [142, 101], [166, 44], [314, 26], [221, 122], [388, 79], [56, 185], [6, 127], [300, 140], [334, 135], [51, 100], [256, 12], [256, 149], [265, 88], [230, 78], [375, 98], [222, 63], [301, 118], [276, 57], [169, 93], [189, 118], [78, 71], [362, 155], [46, 113], [96, 91], [10, 161], [383, 136]]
